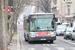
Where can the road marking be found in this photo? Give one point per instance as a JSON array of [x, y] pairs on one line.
[[46, 48], [31, 48], [73, 48], [44, 44], [37, 45], [68, 47], [53, 44], [59, 48], [48, 45]]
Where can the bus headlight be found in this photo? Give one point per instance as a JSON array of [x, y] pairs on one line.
[[32, 34], [53, 34]]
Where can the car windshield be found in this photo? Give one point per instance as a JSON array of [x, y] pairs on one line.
[[61, 27], [69, 29], [42, 24], [66, 25]]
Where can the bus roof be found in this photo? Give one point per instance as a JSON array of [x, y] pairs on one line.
[[40, 13], [29, 16]]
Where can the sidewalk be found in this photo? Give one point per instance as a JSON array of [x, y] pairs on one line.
[[13, 44]]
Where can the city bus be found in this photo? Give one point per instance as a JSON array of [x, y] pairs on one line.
[[40, 27]]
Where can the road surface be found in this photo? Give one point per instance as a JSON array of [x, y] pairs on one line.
[[59, 44]]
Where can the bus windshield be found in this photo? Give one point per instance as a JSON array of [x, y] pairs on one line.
[[42, 24]]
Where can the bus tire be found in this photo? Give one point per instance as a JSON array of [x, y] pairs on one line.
[[25, 38], [29, 42], [24, 35], [57, 35], [51, 41], [72, 39]]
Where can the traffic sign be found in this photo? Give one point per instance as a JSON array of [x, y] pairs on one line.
[[9, 10]]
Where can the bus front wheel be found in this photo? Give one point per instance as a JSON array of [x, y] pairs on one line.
[[29, 40], [25, 38], [51, 41]]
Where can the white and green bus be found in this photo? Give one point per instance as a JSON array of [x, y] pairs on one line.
[[40, 27]]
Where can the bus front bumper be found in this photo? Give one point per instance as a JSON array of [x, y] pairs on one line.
[[42, 38]]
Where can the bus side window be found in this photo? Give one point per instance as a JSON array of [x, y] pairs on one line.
[[28, 27], [53, 23], [25, 24]]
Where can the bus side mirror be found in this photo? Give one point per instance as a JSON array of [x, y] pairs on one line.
[[56, 20]]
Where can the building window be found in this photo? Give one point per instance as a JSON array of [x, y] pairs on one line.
[[68, 0], [68, 9], [55, 2], [64, 0], [54, 8]]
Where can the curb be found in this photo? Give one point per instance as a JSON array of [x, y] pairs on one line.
[[18, 41], [67, 42]]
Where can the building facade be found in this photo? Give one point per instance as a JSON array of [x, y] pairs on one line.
[[59, 8], [64, 10], [70, 11]]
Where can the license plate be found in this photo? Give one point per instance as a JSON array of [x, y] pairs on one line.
[[42, 39]]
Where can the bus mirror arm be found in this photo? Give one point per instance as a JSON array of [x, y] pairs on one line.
[[55, 19]]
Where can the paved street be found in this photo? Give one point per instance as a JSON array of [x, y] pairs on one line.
[[59, 44]]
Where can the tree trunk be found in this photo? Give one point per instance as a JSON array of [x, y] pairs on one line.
[[3, 43]]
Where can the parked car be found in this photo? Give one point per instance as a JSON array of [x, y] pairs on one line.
[[74, 27], [73, 35], [57, 23], [60, 30], [65, 24], [68, 33]]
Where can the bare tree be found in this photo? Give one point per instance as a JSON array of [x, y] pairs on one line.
[[44, 5], [27, 2]]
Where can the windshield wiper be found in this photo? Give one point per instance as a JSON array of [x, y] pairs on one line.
[[35, 30]]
